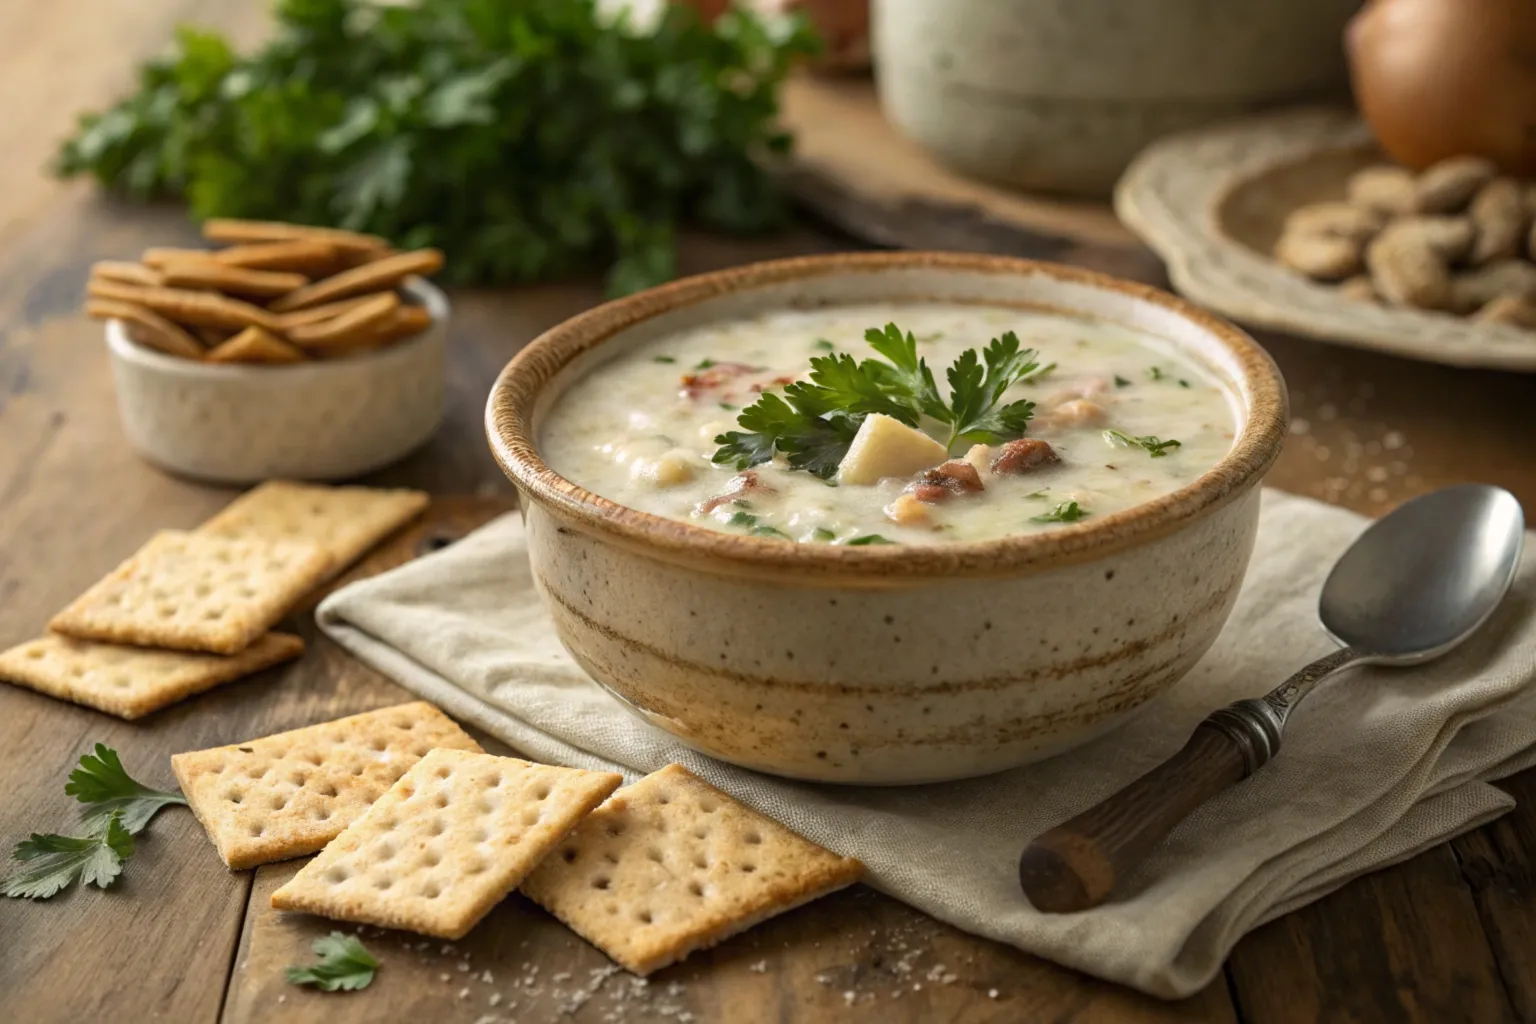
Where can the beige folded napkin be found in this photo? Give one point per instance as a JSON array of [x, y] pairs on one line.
[[1376, 766]]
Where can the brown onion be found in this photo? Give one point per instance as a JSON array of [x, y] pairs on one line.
[[1440, 78]]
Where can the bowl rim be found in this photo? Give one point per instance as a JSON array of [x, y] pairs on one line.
[[429, 295], [517, 388]]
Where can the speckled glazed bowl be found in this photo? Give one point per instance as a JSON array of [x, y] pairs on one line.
[[879, 664], [1059, 95], [240, 424]]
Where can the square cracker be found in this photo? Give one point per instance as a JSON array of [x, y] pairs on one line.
[[671, 865], [192, 592], [130, 682], [289, 794], [446, 843], [345, 521]]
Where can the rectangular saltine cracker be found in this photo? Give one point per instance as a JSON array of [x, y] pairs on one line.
[[446, 844], [345, 521], [130, 682], [193, 592], [289, 794], [671, 865]]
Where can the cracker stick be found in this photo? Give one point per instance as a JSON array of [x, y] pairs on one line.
[[446, 843], [305, 256], [348, 328], [224, 229], [370, 277], [199, 309], [289, 794], [160, 255], [213, 337], [402, 323], [257, 345], [195, 592], [671, 865], [221, 277], [314, 314], [147, 327], [130, 682], [127, 273]]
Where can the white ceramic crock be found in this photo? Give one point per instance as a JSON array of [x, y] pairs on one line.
[[887, 664], [1059, 96], [240, 424]]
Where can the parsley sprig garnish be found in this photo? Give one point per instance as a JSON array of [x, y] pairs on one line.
[[47, 863], [813, 423], [116, 807], [1156, 448], [106, 789], [345, 963]]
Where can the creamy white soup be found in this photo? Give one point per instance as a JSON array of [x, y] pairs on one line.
[[1118, 418]]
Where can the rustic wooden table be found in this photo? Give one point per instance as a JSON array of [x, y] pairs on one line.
[[1447, 936]]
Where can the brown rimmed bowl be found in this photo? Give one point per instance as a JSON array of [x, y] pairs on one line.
[[887, 665]]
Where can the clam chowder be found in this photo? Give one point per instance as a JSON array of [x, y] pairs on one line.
[[732, 426]]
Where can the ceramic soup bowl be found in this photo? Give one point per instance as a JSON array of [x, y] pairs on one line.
[[887, 664]]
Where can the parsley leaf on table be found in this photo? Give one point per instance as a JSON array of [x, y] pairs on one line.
[[106, 789], [1156, 448], [344, 964], [47, 863], [525, 138], [814, 422], [1066, 512]]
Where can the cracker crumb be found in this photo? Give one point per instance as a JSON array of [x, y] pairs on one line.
[[759, 967]]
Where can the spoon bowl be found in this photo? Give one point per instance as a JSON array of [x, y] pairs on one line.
[[1420, 580]]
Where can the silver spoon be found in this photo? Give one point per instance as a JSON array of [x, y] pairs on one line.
[[1414, 585]]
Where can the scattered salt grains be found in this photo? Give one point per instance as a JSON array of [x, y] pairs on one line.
[[759, 967], [463, 966], [991, 993], [447, 950], [282, 998], [488, 1019], [1300, 427], [849, 996], [443, 977], [494, 999], [562, 976], [463, 993]]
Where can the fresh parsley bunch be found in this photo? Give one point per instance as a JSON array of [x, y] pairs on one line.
[[814, 422], [116, 807], [525, 138]]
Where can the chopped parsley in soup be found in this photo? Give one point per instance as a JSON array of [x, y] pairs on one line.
[[948, 423]]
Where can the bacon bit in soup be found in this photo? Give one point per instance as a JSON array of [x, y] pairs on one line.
[[740, 484], [938, 484], [709, 375], [1024, 455]]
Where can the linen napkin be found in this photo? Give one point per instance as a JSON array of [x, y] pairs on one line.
[[1377, 765]]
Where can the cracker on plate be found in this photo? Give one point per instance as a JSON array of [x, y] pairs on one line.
[[289, 794], [448, 841]]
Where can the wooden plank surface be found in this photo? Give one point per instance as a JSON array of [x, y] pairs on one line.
[[1448, 936], [853, 168]]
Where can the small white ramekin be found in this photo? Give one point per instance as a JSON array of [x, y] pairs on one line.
[[240, 424]]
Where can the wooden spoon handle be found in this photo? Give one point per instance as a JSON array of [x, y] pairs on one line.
[[1076, 865]]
